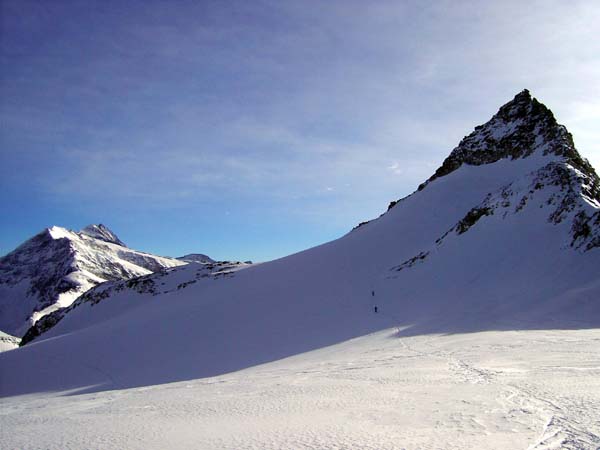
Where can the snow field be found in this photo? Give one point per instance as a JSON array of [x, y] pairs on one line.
[[495, 390]]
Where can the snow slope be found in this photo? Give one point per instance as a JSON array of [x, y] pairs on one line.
[[505, 237], [534, 390], [53, 268], [158, 283]]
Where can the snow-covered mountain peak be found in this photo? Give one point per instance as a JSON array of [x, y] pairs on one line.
[[56, 232], [520, 129], [102, 233], [52, 269]]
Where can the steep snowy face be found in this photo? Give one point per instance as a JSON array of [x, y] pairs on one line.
[[102, 233], [54, 267]]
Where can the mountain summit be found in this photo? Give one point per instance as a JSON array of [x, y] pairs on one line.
[[505, 236], [52, 269], [521, 128], [102, 233], [525, 128]]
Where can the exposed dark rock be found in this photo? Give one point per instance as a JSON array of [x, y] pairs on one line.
[[411, 262], [472, 218], [42, 325], [45, 261], [360, 225], [520, 128]]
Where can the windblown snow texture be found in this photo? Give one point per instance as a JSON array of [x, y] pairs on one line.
[[53, 268]]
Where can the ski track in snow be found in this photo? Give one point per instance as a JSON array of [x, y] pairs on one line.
[[533, 390]]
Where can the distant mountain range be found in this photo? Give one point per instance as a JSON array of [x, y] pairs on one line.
[[504, 235], [196, 257]]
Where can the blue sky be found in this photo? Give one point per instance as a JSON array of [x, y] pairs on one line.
[[251, 130]]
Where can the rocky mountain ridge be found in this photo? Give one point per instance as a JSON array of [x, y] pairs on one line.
[[521, 128], [158, 283]]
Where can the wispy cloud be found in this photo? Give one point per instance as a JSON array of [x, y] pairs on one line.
[[319, 108]]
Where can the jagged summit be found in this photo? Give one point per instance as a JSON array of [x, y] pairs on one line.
[[546, 165], [521, 128], [102, 233]]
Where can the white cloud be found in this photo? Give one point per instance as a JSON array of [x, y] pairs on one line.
[[395, 167]]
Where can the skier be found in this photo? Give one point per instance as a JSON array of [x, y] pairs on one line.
[[375, 309]]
